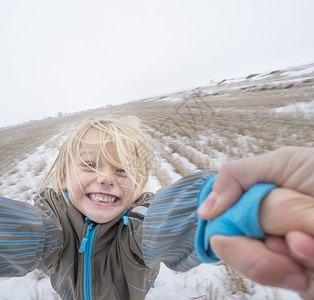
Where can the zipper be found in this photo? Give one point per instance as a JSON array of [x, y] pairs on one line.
[[87, 248]]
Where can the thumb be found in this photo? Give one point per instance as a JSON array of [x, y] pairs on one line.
[[288, 167], [301, 247], [252, 259], [233, 179]]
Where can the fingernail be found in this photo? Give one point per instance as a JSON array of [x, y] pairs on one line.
[[208, 203], [303, 258], [296, 282]]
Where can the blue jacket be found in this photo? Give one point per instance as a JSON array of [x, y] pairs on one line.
[[119, 259]]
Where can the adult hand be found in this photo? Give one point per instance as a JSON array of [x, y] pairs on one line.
[[300, 246], [281, 213], [270, 263], [290, 167]]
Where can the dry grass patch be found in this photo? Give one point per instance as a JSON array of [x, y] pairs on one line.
[[40, 167], [163, 176], [236, 284], [13, 171], [182, 168]]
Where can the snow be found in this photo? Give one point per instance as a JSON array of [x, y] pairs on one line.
[[306, 109], [194, 284], [206, 280], [260, 76], [28, 287], [153, 184], [300, 72], [183, 160]]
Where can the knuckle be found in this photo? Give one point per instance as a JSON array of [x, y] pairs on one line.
[[228, 173], [286, 150], [229, 167]]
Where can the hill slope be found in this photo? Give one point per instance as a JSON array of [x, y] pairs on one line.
[[192, 130]]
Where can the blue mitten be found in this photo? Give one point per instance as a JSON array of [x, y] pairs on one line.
[[240, 219]]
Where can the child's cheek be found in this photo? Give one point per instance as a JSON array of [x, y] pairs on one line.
[[84, 178], [129, 193]]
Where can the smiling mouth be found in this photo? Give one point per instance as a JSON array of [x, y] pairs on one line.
[[103, 198]]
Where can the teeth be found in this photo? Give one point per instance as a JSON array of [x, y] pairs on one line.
[[102, 198]]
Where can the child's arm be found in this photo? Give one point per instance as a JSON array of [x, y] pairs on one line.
[[170, 224], [28, 238], [175, 235]]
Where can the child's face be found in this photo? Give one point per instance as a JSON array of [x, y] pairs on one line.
[[99, 190]]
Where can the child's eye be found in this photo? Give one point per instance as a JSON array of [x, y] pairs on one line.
[[91, 165], [120, 172]]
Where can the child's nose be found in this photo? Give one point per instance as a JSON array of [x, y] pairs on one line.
[[106, 178]]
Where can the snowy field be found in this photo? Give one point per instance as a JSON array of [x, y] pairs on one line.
[[192, 130]]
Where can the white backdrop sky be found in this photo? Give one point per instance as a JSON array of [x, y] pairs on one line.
[[72, 55]]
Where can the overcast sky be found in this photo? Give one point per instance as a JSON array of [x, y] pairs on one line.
[[72, 55]]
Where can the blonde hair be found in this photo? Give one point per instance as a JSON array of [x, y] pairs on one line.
[[132, 149]]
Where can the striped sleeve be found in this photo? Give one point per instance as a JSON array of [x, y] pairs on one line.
[[170, 224], [27, 238]]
